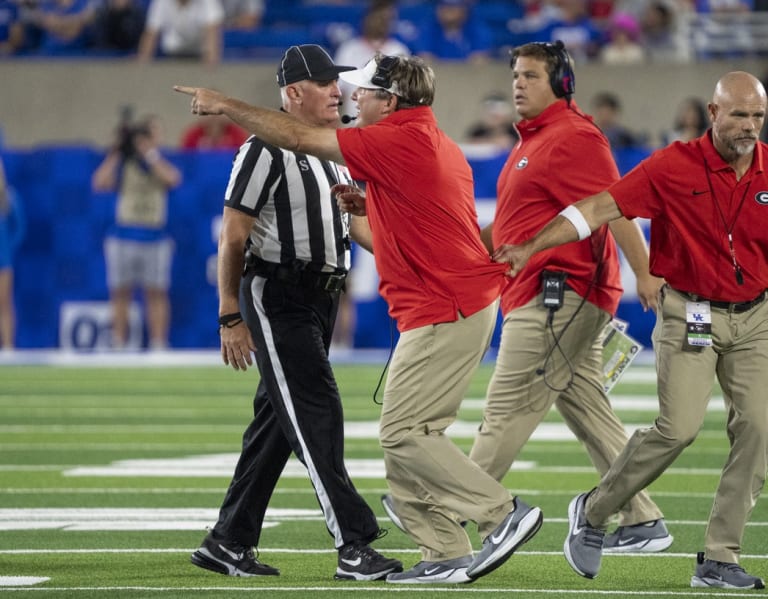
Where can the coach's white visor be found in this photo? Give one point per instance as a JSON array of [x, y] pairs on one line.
[[363, 78]]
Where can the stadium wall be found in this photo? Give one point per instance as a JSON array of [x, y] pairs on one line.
[[79, 101]]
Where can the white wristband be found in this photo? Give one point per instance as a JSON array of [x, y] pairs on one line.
[[574, 216]]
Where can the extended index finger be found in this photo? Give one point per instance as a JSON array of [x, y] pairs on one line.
[[190, 91]]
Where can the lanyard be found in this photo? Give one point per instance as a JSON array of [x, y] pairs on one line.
[[728, 228]]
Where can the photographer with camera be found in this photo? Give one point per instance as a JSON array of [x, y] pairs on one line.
[[137, 249]]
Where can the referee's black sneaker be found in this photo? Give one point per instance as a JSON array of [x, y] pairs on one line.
[[358, 561], [229, 558]]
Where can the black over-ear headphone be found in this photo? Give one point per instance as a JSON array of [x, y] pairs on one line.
[[383, 75], [561, 79]]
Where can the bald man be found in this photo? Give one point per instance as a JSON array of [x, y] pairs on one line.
[[708, 202]]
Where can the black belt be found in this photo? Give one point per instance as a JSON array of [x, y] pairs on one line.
[[296, 273], [737, 307]]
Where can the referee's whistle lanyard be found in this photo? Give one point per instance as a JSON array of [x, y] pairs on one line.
[[728, 227]]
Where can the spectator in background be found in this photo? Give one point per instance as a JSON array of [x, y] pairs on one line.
[[376, 36], [118, 25], [137, 249], [59, 26], [183, 29], [575, 28], [496, 126], [606, 110], [242, 15], [691, 121], [12, 229], [454, 34], [214, 133], [623, 45], [11, 28], [659, 33]]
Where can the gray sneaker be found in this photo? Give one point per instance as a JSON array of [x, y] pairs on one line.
[[640, 538], [517, 527], [710, 573], [583, 546], [389, 508], [450, 571]]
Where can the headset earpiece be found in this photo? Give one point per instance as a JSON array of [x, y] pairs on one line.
[[561, 79], [383, 75]]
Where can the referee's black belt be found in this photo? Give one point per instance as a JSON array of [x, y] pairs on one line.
[[737, 307], [297, 273]]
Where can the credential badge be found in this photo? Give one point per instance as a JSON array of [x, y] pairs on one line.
[[761, 197], [524, 162]]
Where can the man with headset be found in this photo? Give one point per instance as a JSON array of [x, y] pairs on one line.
[[555, 310], [442, 289], [708, 201]]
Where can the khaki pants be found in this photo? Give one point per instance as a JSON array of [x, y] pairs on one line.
[[739, 359], [434, 485], [519, 398]]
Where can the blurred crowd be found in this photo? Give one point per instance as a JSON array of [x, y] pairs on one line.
[[611, 31]]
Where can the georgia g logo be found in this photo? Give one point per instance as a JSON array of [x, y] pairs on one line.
[[524, 162], [761, 198]]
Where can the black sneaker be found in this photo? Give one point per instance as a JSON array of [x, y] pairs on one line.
[[358, 561], [230, 558], [723, 575]]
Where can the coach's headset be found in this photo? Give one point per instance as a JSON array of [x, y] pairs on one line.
[[561, 79], [383, 75]]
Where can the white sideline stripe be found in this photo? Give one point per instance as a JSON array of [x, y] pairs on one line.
[[410, 550], [384, 588], [634, 402], [286, 491], [82, 519], [299, 473], [641, 370], [21, 581]]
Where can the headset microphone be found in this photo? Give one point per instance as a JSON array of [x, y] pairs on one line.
[[345, 118]]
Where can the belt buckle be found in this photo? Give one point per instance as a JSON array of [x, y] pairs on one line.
[[334, 282]]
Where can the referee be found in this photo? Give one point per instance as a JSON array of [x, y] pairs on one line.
[[282, 263]]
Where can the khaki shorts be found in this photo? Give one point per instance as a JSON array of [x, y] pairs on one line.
[[132, 263]]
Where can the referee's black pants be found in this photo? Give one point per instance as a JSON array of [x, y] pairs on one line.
[[297, 408]]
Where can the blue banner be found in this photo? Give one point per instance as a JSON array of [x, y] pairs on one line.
[[60, 283]]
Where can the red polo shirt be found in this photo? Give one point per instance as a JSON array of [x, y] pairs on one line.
[[693, 197], [562, 157], [431, 262]]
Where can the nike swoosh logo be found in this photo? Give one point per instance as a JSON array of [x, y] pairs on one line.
[[497, 538], [352, 562], [430, 571], [232, 554], [698, 193], [625, 541]]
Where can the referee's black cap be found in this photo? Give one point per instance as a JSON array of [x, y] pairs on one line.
[[307, 62]]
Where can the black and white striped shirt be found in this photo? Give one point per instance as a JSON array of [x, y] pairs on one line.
[[289, 194]]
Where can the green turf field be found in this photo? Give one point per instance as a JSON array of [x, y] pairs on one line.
[[109, 476]]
